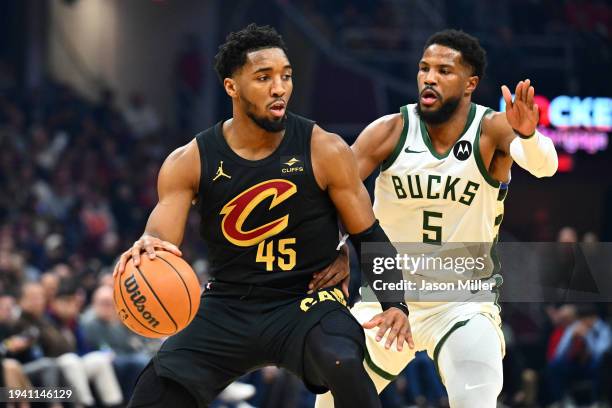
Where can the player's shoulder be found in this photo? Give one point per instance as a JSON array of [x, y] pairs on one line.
[[184, 154], [378, 140], [327, 144], [183, 164], [494, 123]]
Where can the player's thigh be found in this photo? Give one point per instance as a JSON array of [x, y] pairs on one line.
[[153, 391], [215, 349]]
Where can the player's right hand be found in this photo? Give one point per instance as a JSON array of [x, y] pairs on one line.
[[147, 244], [396, 322]]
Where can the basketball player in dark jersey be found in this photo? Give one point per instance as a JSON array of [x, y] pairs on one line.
[[268, 185]]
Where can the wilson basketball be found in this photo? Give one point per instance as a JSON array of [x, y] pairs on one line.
[[158, 298]]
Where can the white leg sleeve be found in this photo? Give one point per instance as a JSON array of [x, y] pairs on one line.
[[470, 363], [99, 367], [73, 370]]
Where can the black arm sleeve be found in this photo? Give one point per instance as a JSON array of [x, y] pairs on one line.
[[381, 248]]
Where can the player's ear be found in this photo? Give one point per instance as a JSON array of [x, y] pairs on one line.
[[472, 83], [231, 87]]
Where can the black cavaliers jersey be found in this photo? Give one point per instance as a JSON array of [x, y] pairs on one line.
[[266, 222]]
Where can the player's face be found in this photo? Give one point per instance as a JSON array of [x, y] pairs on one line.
[[443, 79], [264, 87]]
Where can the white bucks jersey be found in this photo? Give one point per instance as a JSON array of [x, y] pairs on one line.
[[423, 196]]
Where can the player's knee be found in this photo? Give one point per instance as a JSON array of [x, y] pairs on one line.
[[335, 347], [152, 391], [482, 397]]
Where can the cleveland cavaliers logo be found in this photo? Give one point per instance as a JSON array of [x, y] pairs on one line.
[[238, 209], [462, 150]]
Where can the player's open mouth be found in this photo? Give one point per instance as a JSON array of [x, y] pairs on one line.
[[278, 109], [428, 97]]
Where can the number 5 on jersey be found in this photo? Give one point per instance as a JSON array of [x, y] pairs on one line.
[[432, 233], [285, 257]]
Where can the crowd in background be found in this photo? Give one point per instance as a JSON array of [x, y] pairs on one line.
[[77, 182]]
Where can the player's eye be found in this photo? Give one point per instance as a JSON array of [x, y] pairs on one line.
[[287, 77], [424, 69], [263, 78]]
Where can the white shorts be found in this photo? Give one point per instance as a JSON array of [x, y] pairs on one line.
[[430, 323]]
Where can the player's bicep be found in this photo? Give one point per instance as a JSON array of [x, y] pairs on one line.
[[376, 143], [176, 186], [348, 193]]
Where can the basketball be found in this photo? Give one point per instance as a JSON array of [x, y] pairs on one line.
[[158, 298]]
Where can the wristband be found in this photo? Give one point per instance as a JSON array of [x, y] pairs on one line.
[[522, 136], [400, 305]]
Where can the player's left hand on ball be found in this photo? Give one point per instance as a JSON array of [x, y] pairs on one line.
[[396, 322], [522, 114], [335, 273]]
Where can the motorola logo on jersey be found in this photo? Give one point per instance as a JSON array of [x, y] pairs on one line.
[[236, 212], [462, 150]]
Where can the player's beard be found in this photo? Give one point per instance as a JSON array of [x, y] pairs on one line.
[[442, 114], [266, 124]]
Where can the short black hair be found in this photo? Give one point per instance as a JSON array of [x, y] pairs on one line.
[[232, 53], [469, 47]]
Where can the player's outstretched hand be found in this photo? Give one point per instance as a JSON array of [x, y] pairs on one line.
[[147, 244], [396, 321], [522, 114], [338, 271]]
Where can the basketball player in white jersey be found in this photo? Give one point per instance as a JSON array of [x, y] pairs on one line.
[[445, 164]]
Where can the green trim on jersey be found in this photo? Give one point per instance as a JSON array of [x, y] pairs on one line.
[[478, 156], [382, 373], [443, 339], [400, 143], [427, 138]]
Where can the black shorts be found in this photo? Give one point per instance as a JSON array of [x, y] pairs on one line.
[[240, 328]]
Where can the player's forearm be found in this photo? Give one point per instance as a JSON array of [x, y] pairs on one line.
[[165, 227], [535, 154], [379, 247]]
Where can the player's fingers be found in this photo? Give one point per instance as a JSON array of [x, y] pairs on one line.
[[409, 337], [326, 279], [507, 96], [517, 90], [150, 250], [536, 109], [393, 333], [382, 329], [530, 95], [170, 247], [373, 322], [345, 286], [136, 248], [400, 341], [316, 277], [122, 261]]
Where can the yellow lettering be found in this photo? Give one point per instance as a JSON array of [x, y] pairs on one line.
[[306, 304], [324, 295]]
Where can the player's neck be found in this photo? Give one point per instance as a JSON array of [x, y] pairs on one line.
[[447, 132], [249, 140]]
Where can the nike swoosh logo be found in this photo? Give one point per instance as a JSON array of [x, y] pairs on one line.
[[407, 150], [471, 387]]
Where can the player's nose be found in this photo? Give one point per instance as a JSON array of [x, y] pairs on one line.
[[278, 88]]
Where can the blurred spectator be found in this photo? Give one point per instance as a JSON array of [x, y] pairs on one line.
[[189, 80], [103, 331], [11, 371], [141, 117], [61, 341], [576, 363]]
